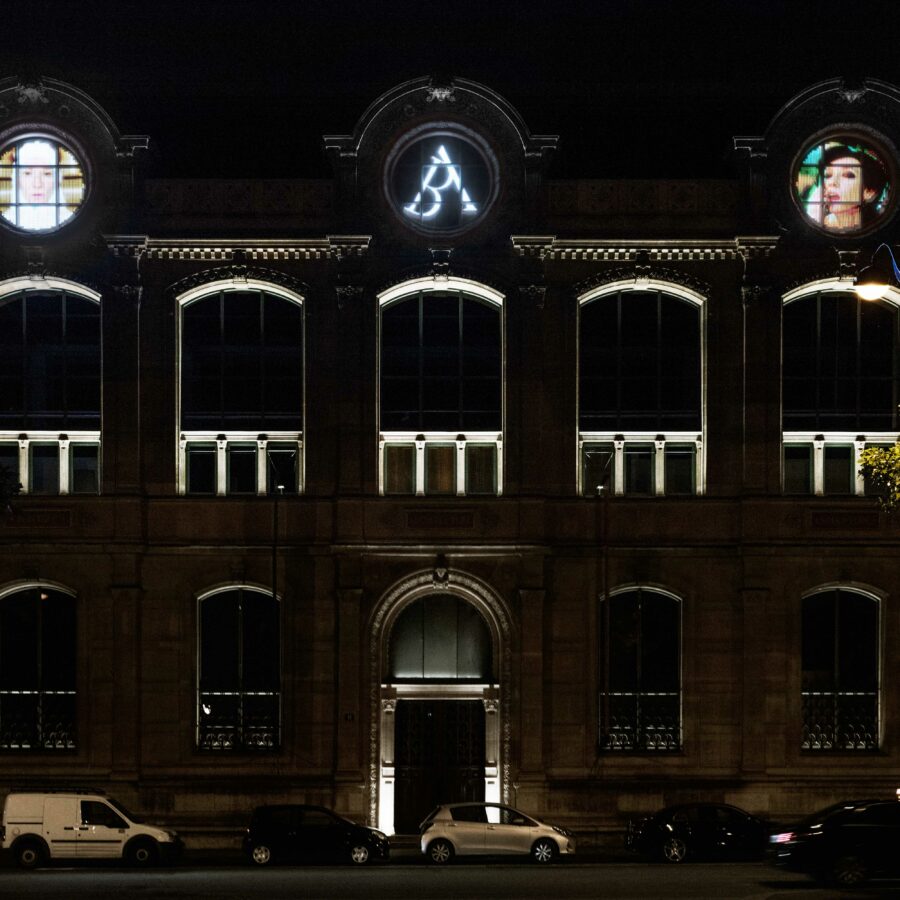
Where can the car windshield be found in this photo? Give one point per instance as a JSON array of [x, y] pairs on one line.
[[125, 812]]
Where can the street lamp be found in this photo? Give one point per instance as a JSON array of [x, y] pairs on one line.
[[873, 282]]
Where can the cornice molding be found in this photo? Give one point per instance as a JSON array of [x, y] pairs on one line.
[[641, 251], [239, 250]]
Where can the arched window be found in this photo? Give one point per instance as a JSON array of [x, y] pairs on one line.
[[50, 380], [440, 638], [37, 669], [840, 663], [241, 390], [640, 409], [239, 688], [441, 389], [839, 386], [640, 698]]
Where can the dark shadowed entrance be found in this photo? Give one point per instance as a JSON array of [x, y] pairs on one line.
[[439, 757], [443, 643]]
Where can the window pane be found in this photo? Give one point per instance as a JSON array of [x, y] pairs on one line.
[[598, 468], [219, 642], [281, 468], [639, 469], [797, 470], [85, 468], [680, 463], [640, 363], [241, 468], [260, 642], [839, 475], [201, 469], [44, 468], [440, 364], [481, 469], [9, 462], [400, 469], [440, 469]]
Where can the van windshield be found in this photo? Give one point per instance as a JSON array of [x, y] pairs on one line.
[[125, 812]]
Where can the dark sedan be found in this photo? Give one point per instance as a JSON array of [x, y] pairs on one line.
[[845, 843], [300, 833], [698, 831]]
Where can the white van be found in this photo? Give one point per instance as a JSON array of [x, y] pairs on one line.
[[48, 825]]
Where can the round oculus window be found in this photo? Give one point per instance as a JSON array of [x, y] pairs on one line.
[[842, 184], [441, 183], [42, 183]]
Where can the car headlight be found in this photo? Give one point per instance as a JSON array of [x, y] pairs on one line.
[[563, 831], [380, 835]]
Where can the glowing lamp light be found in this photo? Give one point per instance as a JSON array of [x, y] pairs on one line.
[[873, 282]]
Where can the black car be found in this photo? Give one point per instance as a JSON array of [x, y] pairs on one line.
[[300, 833], [698, 831], [844, 843]]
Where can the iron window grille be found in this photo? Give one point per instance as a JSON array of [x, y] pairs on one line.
[[840, 671], [239, 685], [37, 670], [640, 700]]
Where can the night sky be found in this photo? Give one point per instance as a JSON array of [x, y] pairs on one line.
[[634, 88]]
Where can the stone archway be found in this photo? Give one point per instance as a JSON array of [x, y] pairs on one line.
[[465, 702]]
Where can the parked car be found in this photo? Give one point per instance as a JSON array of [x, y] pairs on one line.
[[39, 826], [485, 829], [698, 831], [301, 833], [845, 843]]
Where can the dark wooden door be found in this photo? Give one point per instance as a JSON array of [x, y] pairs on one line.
[[438, 757]]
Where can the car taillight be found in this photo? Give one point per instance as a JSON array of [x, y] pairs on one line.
[[782, 838], [426, 826]]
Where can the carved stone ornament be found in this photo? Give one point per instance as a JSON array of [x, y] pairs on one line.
[[347, 293], [852, 94], [31, 95], [751, 294], [236, 274], [534, 293], [441, 574], [440, 94]]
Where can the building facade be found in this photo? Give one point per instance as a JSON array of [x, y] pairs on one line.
[[443, 479]]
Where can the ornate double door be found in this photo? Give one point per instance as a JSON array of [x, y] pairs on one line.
[[439, 757]]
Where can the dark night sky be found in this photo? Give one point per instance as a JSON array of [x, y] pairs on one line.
[[652, 88]]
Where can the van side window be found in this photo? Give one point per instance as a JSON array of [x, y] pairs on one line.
[[95, 813]]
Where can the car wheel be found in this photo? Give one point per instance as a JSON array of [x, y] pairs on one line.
[[544, 850], [440, 851], [30, 854], [674, 850], [261, 854], [849, 870], [359, 854], [142, 853]]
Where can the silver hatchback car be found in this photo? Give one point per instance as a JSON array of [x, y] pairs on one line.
[[487, 829]]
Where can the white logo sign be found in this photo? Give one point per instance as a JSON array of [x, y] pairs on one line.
[[428, 200]]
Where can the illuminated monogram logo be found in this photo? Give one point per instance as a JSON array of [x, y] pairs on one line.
[[429, 200]]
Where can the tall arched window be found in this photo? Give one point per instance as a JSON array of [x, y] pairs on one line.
[[241, 400], [441, 389], [640, 407], [840, 666], [839, 386], [37, 669], [239, 688], [50, 380], [640, 695]]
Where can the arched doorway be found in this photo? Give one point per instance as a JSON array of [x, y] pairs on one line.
[[441, 648]]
